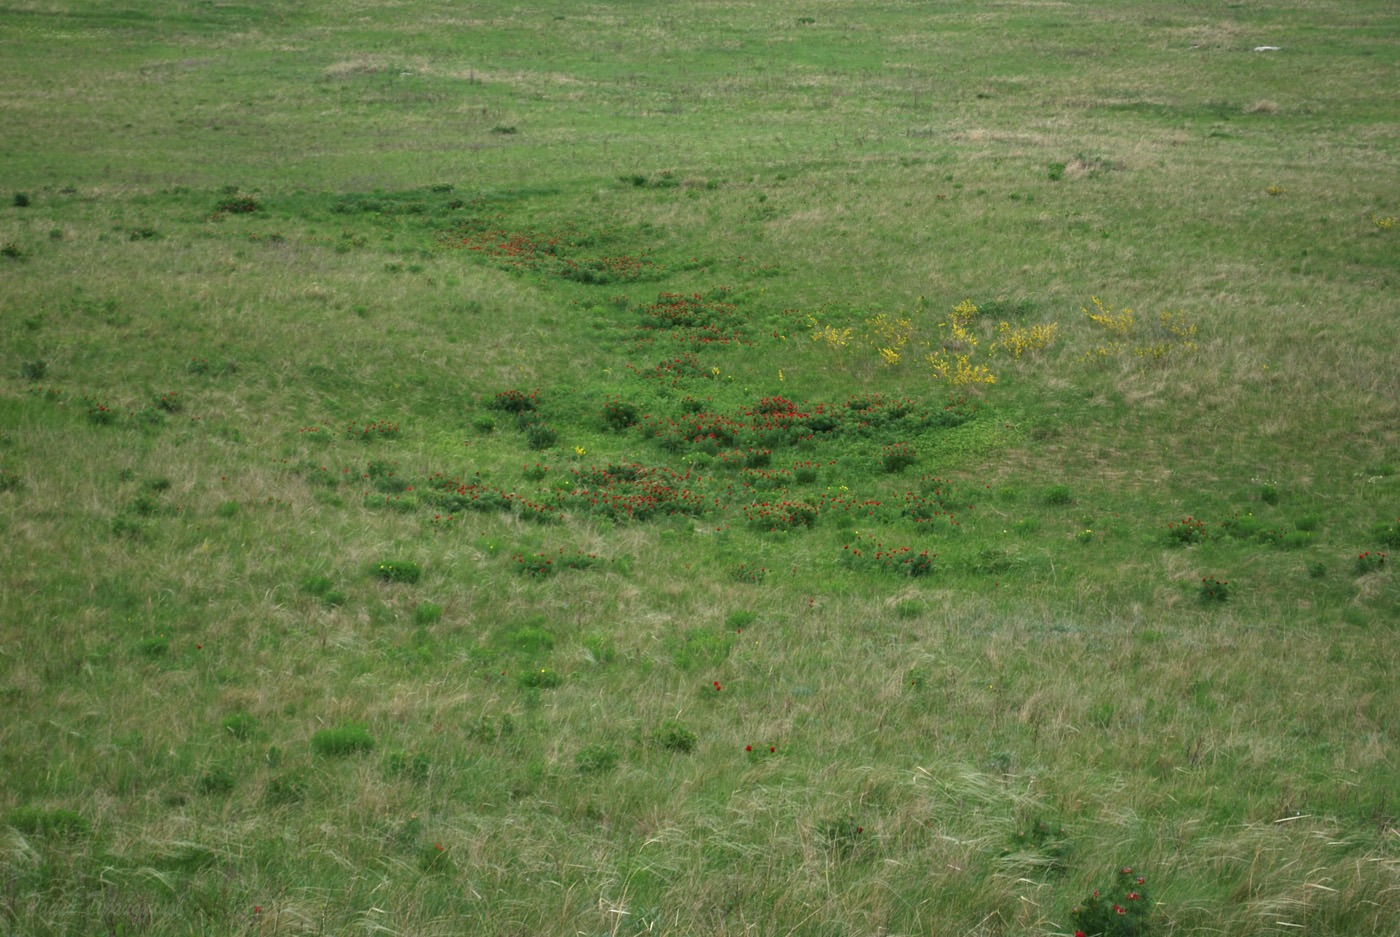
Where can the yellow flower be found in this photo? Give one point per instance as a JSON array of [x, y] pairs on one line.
[[580, 450]]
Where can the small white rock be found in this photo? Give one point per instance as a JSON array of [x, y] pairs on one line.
[[1266, 48]]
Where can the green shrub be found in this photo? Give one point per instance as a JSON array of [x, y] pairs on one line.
[[618, 415], [675, 737], [215, 782], [1369, 562], [154, 646], [746, 572], [1122, 910], [542, 679], [514, 401], [1387, 534], [1214, 590], [596, 759], [240, 725], [346, 739], [1059, 495], [426, 613], [530, 640], [539, 436], [435, 860], [1188, 530], [398, 571], [898, 457], [415, 767], [738, 621]]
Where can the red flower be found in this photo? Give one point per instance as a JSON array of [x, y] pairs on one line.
[[748, 748], [1120, 909], [1133, 896], [1080, 933]]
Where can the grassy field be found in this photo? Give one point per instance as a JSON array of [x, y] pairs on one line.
[[699, 468]]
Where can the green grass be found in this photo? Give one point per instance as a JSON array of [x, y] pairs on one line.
[[495, 397]]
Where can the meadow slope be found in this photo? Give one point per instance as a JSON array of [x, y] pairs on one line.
[[699, 468]]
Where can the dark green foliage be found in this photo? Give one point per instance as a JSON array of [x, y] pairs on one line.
[[596, 759], [675, 737], [317, 585], [1121, 910], [737, 621], [397, 571], [618, 415], [284, 789], [1369, 562], [100, 414], [530, 640], [435, 860], [1387, 534], [539, 436], [215, 782], [347, 739], [897, 458], [34, 370], [1059, 495], [515, 401], [33, 821], [1186, 531], [155, 646], [746, 572], [426, 613], [412, 767], [542, 679], [1214, 591], [239, 725], [842, 836], [235, 204]]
